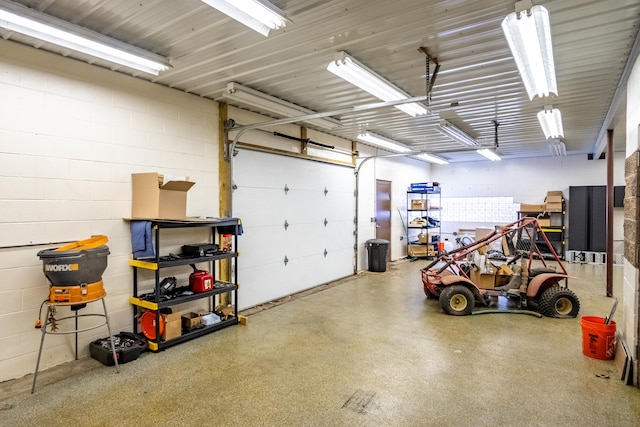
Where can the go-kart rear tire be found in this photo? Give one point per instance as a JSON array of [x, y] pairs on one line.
[[457, 300], [559, 302]]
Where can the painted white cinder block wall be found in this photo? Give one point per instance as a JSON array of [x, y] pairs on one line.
[[70, 136]]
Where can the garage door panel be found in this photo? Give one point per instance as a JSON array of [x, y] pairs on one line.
[[261, 248], [270, 244], [262, 204], [247, 165], [333, 236], [258, 285], [255, 205], [332, 266], [302, 206], [345, 199]]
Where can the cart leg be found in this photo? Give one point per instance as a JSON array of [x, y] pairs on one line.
[[44, 332], [113, 347]]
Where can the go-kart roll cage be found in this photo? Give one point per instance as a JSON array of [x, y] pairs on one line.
[[525, 230]]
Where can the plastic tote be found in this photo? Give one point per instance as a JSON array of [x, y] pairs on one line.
[[377, 249], [598, 339]]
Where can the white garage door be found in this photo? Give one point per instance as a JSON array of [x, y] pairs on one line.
[[315, 252]]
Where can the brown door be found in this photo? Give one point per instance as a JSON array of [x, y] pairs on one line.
[[383, 212]]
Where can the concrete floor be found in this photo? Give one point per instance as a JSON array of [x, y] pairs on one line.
[[369, 350]]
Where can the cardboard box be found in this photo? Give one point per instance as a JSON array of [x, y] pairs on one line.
[[172, 326], [479, 234], [431, 250], [418, 250], [554, 207], [503, 275], [483, 280], [151, 198], [421, 204], [423, 238], [544, 221], [554, 197], [526, 207], [191, 320]]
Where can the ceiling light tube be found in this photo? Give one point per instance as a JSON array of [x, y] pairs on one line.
[[448, 129], [551, 122], [260, 16], [528, 33], [558, 148], [252, 99], [382, 142], [489, 154], [359, 75], [432, 158], [44, 27]]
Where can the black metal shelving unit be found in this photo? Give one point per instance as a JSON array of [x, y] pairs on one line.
[[555, 231], [218, 227], [430, 198]]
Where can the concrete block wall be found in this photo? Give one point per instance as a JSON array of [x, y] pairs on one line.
[[629, 327], [70, 136]]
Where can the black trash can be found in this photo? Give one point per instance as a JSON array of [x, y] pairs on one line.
[[377, 249]]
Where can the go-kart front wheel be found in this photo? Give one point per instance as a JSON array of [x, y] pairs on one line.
[[457, 300]]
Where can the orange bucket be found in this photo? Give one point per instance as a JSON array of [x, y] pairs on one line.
[[148, 324], [598, 339]]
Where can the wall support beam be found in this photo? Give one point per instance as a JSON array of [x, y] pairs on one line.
[[609, 214], [225, 192]]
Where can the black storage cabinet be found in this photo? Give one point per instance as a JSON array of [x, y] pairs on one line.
[[377, 250], [587, 212]]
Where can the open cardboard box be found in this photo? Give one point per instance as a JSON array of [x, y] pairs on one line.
[[154, 198], [191, 320], [172, 326]]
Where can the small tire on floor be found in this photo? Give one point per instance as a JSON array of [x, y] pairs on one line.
[[457, 300]]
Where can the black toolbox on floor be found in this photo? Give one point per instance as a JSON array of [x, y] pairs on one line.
[[127, 344]]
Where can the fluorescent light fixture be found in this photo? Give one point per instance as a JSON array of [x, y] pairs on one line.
[[258, 15], [448, 129], [240, 95], [382, 142], [432, 158], [359, 75], [551, 122], [44, 27], [489, 154], [558, 148], [528, 33]]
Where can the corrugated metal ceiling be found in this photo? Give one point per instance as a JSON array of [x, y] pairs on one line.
[[592, 40]]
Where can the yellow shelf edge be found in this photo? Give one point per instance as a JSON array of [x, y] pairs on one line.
[[143, 303], [143, 264]]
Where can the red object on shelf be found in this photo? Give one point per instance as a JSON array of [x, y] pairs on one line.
[[148, 324]]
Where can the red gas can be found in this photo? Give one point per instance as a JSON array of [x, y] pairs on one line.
[[200, 281]]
